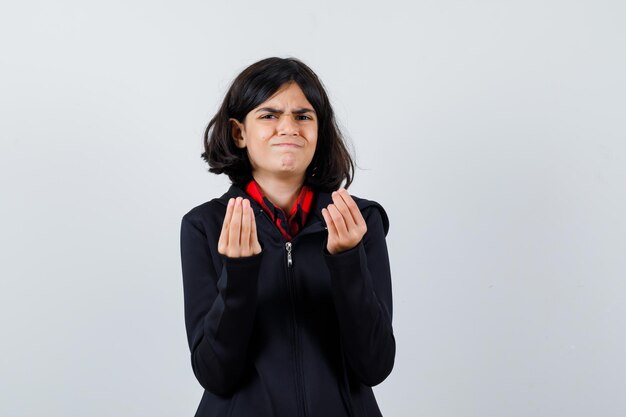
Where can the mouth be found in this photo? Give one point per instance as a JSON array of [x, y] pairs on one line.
[[293, 145]]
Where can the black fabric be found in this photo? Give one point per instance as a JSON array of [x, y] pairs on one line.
[[271, 340]]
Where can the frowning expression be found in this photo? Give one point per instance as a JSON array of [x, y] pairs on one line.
[[280, 134]]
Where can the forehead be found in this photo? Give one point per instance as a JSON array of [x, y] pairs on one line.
[[287, 93]]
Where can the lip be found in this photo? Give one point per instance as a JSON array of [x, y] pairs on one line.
[[287, 144]]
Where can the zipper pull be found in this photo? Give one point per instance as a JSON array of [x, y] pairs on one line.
[[288, 247]]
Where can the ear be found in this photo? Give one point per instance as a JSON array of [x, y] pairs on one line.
[[238, 129]]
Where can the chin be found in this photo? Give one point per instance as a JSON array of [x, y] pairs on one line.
[[290, 172]]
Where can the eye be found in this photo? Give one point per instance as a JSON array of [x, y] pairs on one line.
[[306, 117], [267, 116]]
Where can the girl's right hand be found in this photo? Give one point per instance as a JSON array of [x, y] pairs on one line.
[[238, 237]]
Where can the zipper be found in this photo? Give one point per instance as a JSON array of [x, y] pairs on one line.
[[299, 373], [300, 391], [288, 247]]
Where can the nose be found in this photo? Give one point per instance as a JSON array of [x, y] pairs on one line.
[[287, 125]]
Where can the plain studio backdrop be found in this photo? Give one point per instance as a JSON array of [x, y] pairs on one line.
[[492, 132]]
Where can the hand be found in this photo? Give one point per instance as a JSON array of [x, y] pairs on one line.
[[238, 237], [346, 225]]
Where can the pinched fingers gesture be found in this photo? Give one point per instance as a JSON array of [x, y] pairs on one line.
[[238, 237], [346, 225]]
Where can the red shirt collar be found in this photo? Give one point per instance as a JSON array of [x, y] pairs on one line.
[[289, 225]]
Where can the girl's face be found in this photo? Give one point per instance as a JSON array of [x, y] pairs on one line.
[[280, 134]]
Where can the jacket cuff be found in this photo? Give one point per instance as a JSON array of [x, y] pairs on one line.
[[241, 271], [242, 261], [349, 273], [230, 319], [343, 259]]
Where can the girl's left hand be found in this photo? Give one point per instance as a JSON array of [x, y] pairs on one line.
[[346, 225]]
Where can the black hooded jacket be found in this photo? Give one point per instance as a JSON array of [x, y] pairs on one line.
[[292, 331]]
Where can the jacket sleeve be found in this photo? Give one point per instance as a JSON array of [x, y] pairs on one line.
[[361, 286], [220, 301]]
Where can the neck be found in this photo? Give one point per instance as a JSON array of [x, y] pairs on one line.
[[282, 192]]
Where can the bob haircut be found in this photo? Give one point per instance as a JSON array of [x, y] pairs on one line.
[[331, 163]]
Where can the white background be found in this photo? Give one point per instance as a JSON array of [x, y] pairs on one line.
[[492, 132]]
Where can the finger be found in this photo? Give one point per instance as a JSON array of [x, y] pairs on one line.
[[235, 227], [338, 221], [229, 214], [343, 209], [254, 240], [245, 227], [332, 229], [357, 216], [223, 240]]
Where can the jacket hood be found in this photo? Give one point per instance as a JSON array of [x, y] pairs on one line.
[[322, 200]]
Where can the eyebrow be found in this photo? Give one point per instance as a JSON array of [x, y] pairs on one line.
[[301, 110]]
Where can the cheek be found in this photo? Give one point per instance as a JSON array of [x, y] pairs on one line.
[[313, 139], [262, 138], [258, 148]]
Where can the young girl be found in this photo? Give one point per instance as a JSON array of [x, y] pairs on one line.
[[287, 283]]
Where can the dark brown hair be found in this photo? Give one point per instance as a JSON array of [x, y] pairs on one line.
[[331, 163]]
